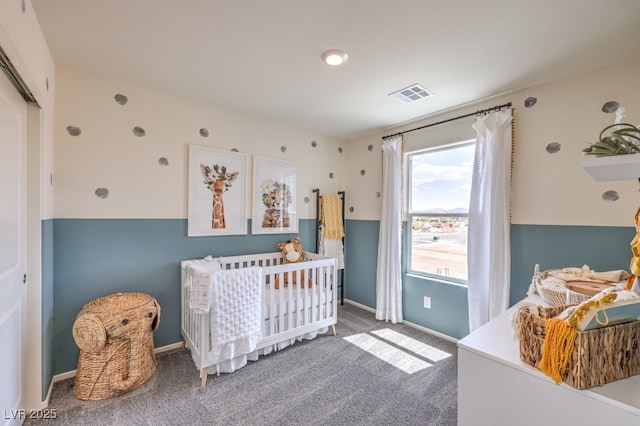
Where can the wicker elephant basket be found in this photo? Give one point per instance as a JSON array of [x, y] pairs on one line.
[[115, 337]]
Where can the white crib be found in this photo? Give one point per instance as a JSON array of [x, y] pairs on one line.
[[290, 313]]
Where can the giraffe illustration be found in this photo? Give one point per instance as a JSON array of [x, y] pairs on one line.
[[276, 197], [218, 181]]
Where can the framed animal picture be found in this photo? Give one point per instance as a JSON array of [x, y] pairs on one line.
[[217, 192], [275, 195]]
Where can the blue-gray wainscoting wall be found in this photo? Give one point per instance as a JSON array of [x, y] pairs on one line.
[[603, 248], [552, 246], [47, 305], [96, 257]]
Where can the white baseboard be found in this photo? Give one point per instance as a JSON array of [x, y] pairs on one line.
[[359, 305], [72, 373], [63, 376], [167, 348], [433, 332], [410, 324]]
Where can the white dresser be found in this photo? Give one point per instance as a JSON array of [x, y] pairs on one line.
[[495, 388]]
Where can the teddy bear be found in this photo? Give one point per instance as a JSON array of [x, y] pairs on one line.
[[292, 253]]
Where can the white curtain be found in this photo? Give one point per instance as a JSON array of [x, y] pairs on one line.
[[489, 251], [389, 277]]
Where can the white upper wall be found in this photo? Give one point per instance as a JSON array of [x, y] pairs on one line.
[[146, 177], [547, 188], [554, 188]]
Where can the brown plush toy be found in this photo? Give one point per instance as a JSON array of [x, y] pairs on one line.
[[292, 250], [292, 253]]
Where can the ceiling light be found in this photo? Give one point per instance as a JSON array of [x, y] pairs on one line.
[[334, 57]]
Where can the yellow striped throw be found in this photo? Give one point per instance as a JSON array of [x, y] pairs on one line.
[[331, 216]]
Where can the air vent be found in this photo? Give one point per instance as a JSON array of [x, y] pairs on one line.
[[411, 94]]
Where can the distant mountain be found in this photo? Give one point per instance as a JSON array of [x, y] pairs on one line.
[[439, 210]]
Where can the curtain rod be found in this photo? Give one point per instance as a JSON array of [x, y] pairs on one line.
[[478, 113]]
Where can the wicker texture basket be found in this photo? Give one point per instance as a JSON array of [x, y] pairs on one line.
[[599, 356], [554, 296], [115, 337]]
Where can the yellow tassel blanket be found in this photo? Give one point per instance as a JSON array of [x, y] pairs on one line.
[[331, 216], [561, 335]]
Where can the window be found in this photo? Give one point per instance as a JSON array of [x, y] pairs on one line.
[[438, 210]]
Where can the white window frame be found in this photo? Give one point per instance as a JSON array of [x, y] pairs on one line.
[[411, 214]]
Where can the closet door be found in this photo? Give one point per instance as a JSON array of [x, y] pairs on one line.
[[13, 216]]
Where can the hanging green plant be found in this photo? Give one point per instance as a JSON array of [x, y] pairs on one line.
[[624, 140]]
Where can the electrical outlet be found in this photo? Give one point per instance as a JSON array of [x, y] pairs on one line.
[[427, 302]]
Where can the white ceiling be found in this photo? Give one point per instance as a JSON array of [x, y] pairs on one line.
[[262, 57]]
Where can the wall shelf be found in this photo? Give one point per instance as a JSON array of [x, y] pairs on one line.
[[617, 167]]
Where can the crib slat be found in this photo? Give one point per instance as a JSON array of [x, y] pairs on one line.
[[298, 304], [272, 305]]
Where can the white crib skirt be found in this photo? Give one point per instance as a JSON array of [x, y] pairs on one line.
[[229, 366], [296, 307]]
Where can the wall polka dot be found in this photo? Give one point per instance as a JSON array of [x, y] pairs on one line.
[[610, 107], [331, 175], [306, 200], [553, 147], [46, 83], [102, 192], [283, 148], [340, 149], [121, 99], [73, 130], [204, 132], [378, 194], [314, 144], [610, 195], [362, 172], [139, 131], [530, 101], [163, 161], [351, 209], [370, 148], [234, 150]]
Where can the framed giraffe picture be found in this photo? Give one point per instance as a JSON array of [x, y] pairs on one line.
[[275, 196], [217, 192]]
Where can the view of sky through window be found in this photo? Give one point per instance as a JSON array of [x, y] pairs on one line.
[[441, 180]]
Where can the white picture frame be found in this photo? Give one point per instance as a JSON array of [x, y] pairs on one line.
[[217, 192], [275, 196]]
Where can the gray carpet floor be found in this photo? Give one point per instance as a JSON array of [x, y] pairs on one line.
[[324, 381]]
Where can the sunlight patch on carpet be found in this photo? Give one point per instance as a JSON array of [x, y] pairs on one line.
[[413, 345], [387, 353]]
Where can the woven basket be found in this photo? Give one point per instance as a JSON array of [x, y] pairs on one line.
[[115, 337], [599, 356], [554, 296]]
